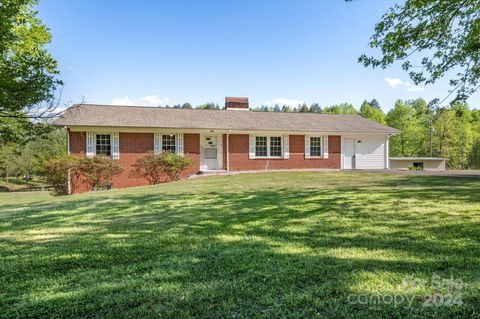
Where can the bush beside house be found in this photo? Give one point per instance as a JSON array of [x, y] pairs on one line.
[[96, 172], [163, 167]]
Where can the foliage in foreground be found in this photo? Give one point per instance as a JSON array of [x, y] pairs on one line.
[[28, 73], [430, 39], [276, 245], [163, 167]]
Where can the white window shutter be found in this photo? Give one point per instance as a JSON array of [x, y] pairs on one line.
[[325, 146], [307, 146], [157, 143], [115, 145], [251, 146], [179, 147], [91, 149], [286, 146]]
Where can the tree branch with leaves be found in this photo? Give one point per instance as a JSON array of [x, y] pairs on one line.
[[431, 39]]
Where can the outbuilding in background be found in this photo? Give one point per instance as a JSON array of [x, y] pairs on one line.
[[418, 163]]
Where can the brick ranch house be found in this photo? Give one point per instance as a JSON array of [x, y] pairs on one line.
[[233, 139]]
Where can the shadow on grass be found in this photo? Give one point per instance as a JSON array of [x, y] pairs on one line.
[[224, 254]]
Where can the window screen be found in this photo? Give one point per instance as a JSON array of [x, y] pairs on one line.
[[275, 146], [103, 145], [168, 143], [315, 146], [261, 146]]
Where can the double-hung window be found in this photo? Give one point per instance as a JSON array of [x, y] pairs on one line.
[[268, 146], [275, 146], [315, 146], [261, 147], [103, 144], [168, 143]]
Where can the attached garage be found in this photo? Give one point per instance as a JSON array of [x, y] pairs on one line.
[[365, 151], [424, 163]]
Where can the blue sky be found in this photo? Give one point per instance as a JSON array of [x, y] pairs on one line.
[[158, 52]]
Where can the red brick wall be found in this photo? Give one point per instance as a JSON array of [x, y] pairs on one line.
[[191, 149], [132, 147], [239, 160], [135, 145]]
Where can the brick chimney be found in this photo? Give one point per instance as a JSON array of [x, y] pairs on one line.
[[236, 103]]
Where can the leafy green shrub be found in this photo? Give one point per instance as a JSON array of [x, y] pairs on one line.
[[163, 167], [174, 165], [97, 171], [149, 167], [57, 170]]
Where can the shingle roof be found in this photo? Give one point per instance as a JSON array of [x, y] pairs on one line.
[[156, 117]]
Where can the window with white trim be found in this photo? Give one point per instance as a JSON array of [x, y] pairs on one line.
[[275, 146], [103, 145], [168, 143], [315, 146], [261, 146], [268, 146]]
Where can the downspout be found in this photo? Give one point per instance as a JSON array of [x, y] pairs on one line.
[[387, 152], [68, 152], [228, 150]]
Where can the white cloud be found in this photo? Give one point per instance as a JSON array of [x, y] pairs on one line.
[[414, 88], [282, 101], [397, 83], [149, 100], [393, 82]]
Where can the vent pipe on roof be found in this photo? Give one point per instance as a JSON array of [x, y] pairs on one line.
[[236, 103]]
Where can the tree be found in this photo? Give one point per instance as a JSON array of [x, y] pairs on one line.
[[375, 104], [186, 106], [286, 108], [462, 141], [425, 115], [208, 106], [47, 146], [276, 108], [25, 162], [265, 108], [7, 161], [443, 128], [403, 117], [315, 108], [474, 157], [431, 38], [370, 112], [28, 73], [303, 108], [343, 108]]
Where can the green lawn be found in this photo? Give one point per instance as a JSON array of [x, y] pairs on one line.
[[271, 245]]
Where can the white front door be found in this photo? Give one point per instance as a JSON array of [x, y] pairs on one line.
[[349, 153], [211, 152]]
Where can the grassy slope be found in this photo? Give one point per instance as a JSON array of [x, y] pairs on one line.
[[263, 245]]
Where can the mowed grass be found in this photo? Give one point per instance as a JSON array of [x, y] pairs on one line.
[[271, 245]]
